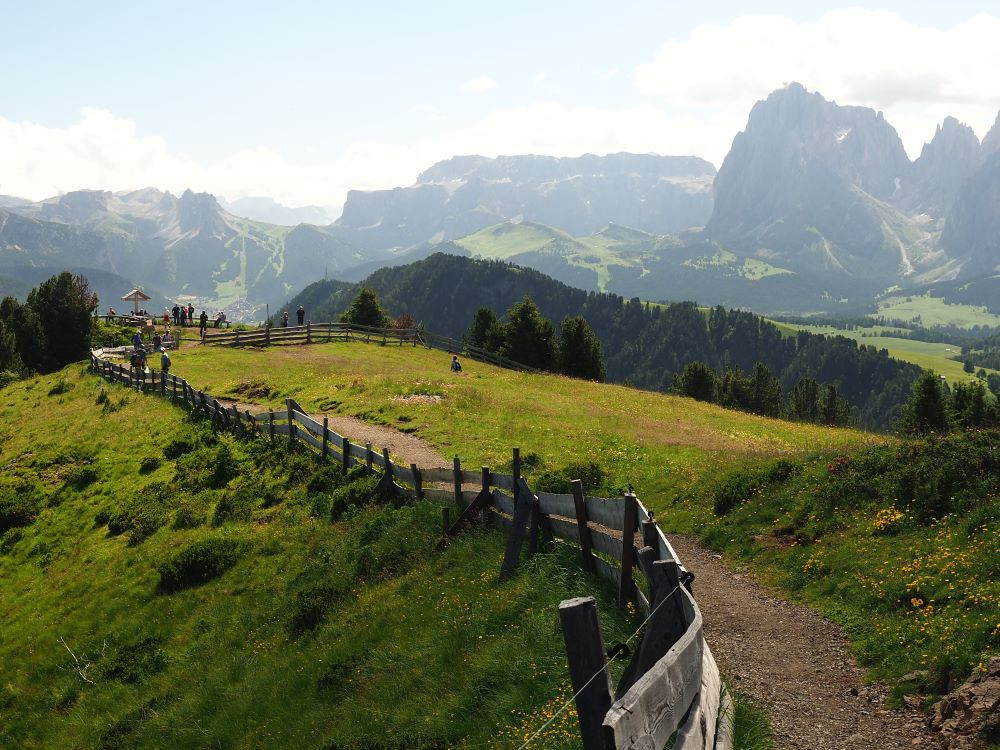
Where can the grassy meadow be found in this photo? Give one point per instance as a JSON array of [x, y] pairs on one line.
[[934, 311], [349, 633]]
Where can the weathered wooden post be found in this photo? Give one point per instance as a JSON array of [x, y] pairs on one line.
[[291, 422], [237, 337], [369, 455], [626, 589], [267, 334], [649, 535], [270, 423], [309, 337], [585, 654], [580, 505], [346, 457], [417, 481], [458, 482], [326, 437], [515, 536]]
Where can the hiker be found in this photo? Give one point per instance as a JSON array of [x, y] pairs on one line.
[[191, 313], [203, 323], [300, 314], [137, 340], [164, 363], [168, 340], [184, 315], [138, 360], [157, 341], [177, 314], [456, 366], [111, 314], [284, 319]]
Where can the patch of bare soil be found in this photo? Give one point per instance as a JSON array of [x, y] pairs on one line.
[[794, 663]]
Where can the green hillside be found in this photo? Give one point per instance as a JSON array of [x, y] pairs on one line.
[[351, 634]]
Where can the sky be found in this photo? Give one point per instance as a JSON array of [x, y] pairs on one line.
[[303, 101]]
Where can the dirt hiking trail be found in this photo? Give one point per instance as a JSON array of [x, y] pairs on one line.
[[795, 664]]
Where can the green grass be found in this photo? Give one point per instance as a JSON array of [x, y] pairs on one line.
[[933, 311], [662, 445], [415, 648], [503, 241], [929, 355]]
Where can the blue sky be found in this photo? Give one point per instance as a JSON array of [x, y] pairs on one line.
[[303, 100]]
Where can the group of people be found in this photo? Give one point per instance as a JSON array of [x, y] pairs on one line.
[[184, 315], [161, 344], [300, 314]]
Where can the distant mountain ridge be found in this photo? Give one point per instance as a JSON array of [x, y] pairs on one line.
[[269, 211], [579, 195]]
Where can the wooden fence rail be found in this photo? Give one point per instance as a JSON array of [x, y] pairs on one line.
[[317, 333], [671, 687]]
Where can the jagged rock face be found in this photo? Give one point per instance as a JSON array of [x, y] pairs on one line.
[[660, 194], [972, 231], [803, 174], [944, 166], [969, 717]]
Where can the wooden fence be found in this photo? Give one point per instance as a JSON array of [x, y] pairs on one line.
[[315, 333], [671, 687]]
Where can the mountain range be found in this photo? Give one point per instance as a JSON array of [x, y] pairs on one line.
[[815, 209]]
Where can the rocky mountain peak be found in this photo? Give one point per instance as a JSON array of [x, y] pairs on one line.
[[991, 142], [199, 212], [943, 167]]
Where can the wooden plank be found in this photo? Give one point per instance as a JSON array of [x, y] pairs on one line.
[[556, 505], [649, 713], [316, 428], [503, 481], [724, 734], [503, 503], [608, 512], [404, 473], [471, 477], [606, 544], [469, 496], [608, 572], [437, 475], [359, 452], [698, 732], [441, 496], [565, 529], [641, 602], [627, 556], [378, 460], [585, 654], [308, 437]]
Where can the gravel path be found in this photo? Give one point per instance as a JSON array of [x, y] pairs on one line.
[[796, 664]]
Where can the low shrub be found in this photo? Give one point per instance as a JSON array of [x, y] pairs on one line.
[[177, 448], [312, 605], [142, 514], [392, 539], [200, 562], [134, 662], [60, 388], [80, 477], [739, 486], [9, 538], [326, 479], [18, 507], [192, 512], [590, 475], [233, 506], [149, 464], [357, 494]]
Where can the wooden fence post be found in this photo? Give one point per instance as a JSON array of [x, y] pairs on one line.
[[586, 550], [417, 481], [346, 457], [237, 337], [515, 537], [291, 422], [458, 482], [270, 423], [267, 334], [649, 534], [585, 654], [308, 331], [626, 589], [369, 455], [326, 437]]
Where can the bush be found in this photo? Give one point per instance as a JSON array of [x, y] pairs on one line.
[[177, 448], [9, 539], [312, 605], [326, 479], [233, 506], [191, 513], [590, 474], [135, 662], [739, 486], [357, 494], [142, 514], [200, 562], [211, 468], [149, 464], [60, 388], [80, 477], [18, 507], [393, 539]]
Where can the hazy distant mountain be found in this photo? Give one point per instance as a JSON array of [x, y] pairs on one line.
[[181, 245], [580, 195], [270, 211]]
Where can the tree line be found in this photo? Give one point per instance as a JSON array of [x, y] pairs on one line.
[[643, 343], [934, 407], [51, 329]]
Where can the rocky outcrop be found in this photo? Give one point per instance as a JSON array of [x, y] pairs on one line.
[[658, 194], [969, 717], [944, 166]]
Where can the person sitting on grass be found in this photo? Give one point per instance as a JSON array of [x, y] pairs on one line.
[[456, 366]]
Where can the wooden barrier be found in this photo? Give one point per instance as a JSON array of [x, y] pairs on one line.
[[672, 684]]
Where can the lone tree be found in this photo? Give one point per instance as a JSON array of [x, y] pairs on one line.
[[528, 337], [580, 353], [926, 411], [485, 331], [697, 381], [365, 310]]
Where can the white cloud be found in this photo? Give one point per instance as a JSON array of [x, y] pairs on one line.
[[915, 74], [479, 84]]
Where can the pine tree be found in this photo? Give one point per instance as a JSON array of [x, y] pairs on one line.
[[485, 331], [834, 409], [65, 305], [803, 401], [365, 310], [926, 411], [529, 338], [697, 381], [765, 392], [580, 350]]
